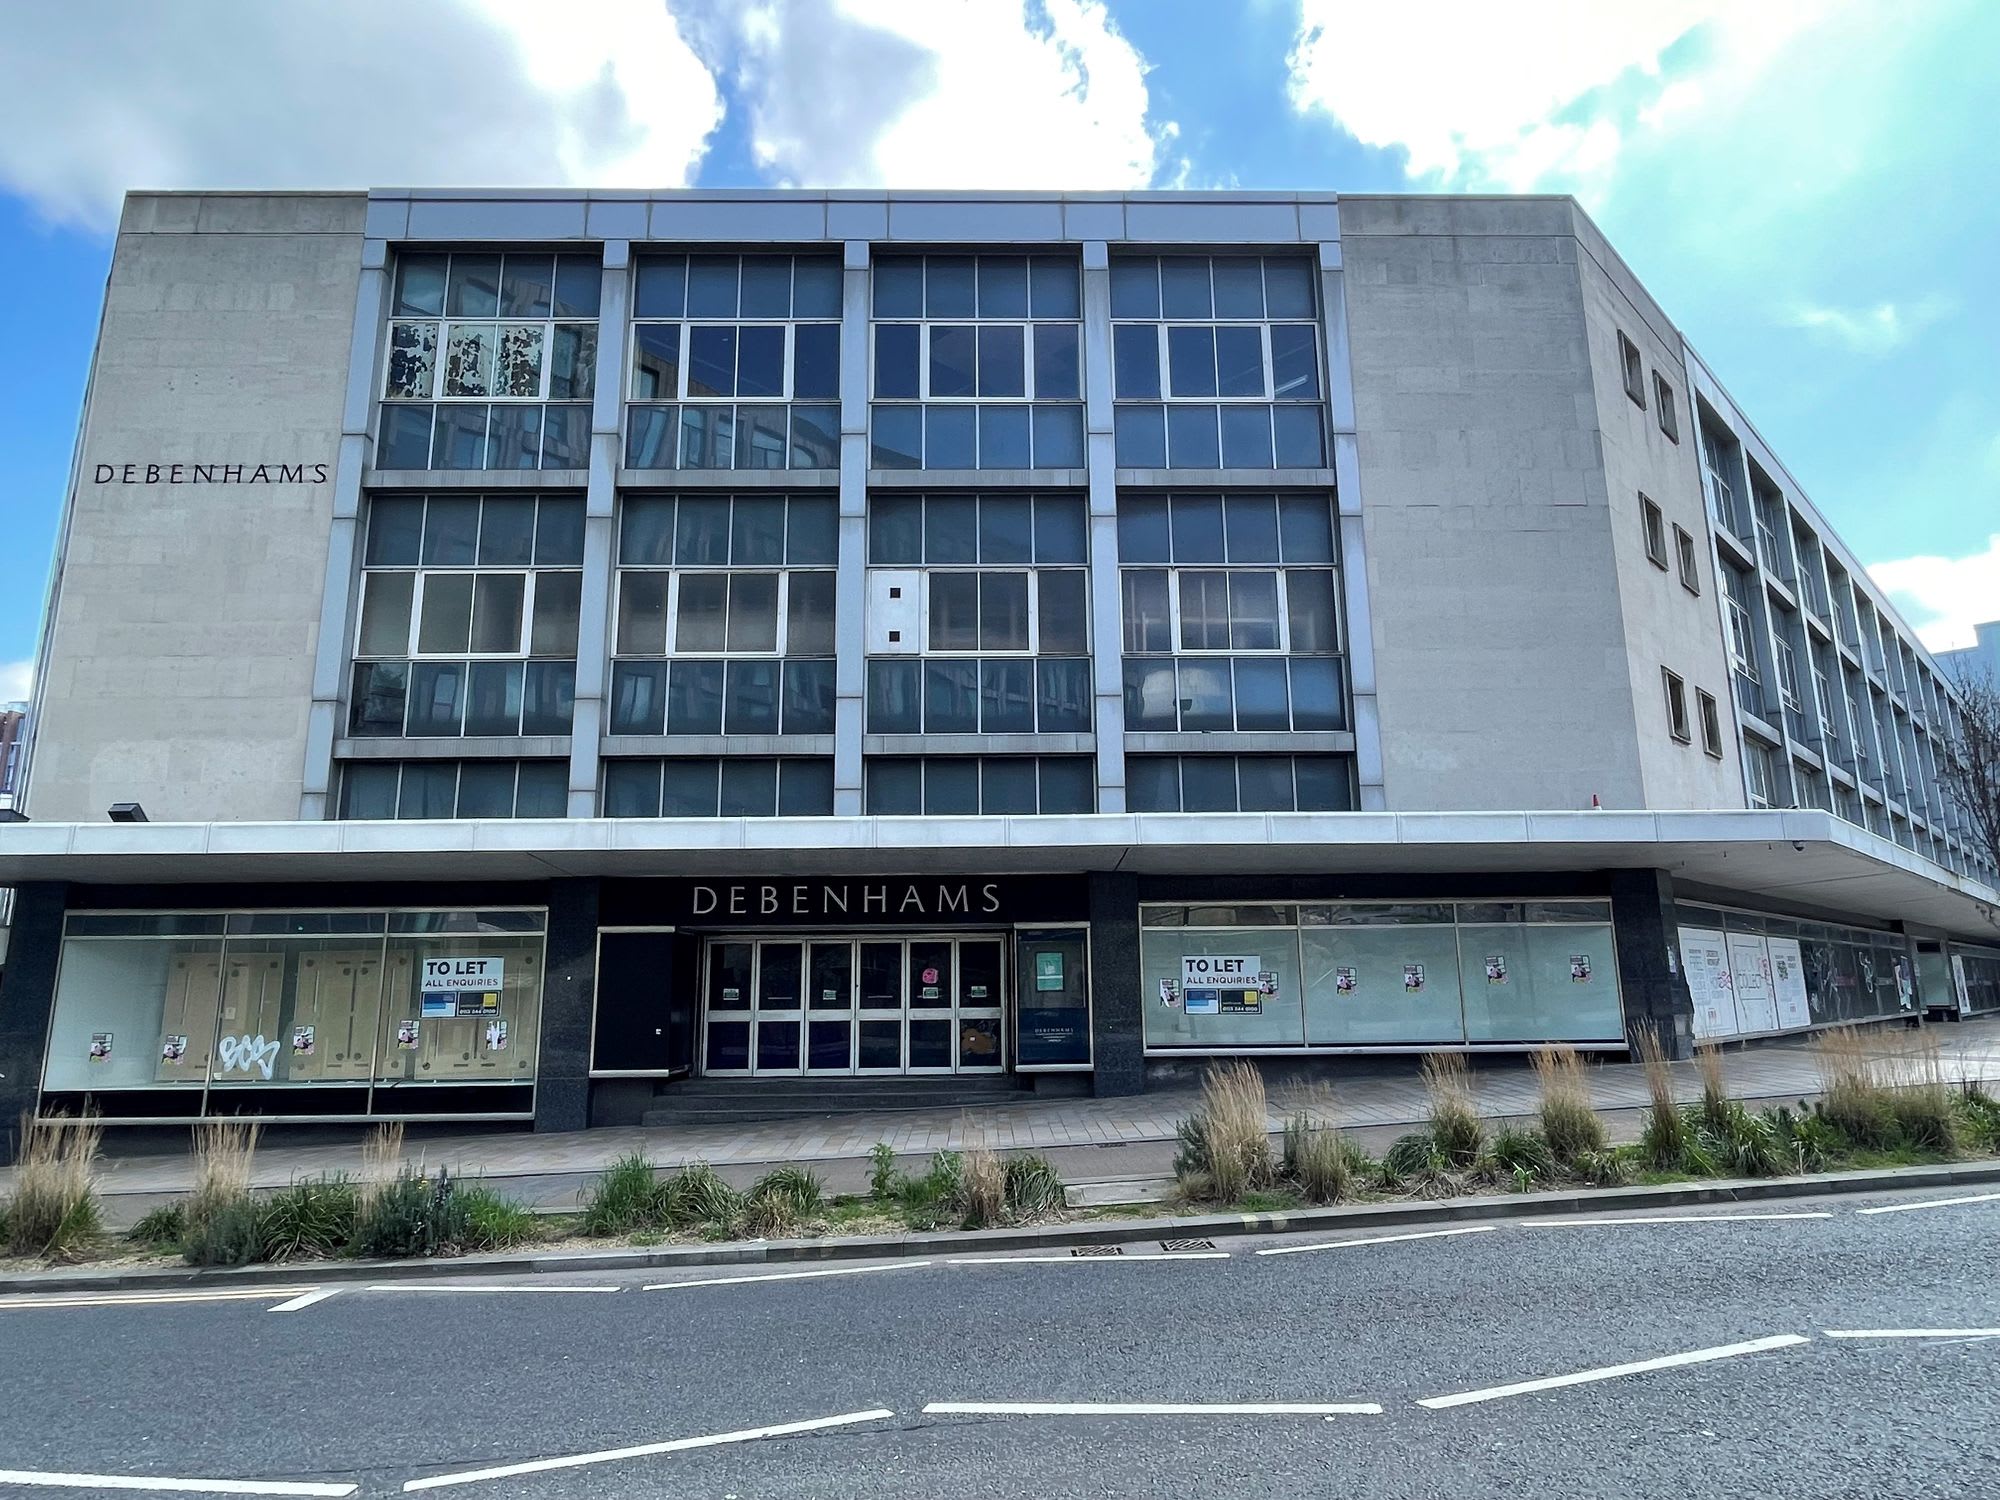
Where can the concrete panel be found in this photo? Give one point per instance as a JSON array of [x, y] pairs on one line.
[[1093, 221], [281, 213], [749, 222], [1212, 223], [387, 219], [857, 219], [616, 218], [1321, 221], [526, 219], [989, 223]]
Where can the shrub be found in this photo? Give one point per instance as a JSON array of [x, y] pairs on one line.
[[1925, 1118], [494, 1222], [1600, 1167], [882, 1174], [411, 1215], [697, 1195], [928, 1201], [1225, 1138], [1455, 1126], [985, 1187], [309, 1218], [1034, 1188], [1569, 1124], [1520, 1153], [1853, 1098], [625, 1197], [228, 1232], [1806, 1137], [54, 1210], [1317, 1159], [1749, 1145], [1668, 1132], [781, 1201], [161, 1228], [1979, 1117]]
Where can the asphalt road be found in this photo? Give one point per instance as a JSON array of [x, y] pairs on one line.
[[380, 1389]]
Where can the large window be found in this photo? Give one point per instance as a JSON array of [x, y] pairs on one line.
[[978, 614], [468, 620], [984, 784], [1230, 613], [384, 789], [735, 363], [977, 362], [1238, 783], [725, 615], [718, 787], [491, 362], [1216, 362]]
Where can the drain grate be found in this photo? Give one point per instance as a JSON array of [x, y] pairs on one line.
[[1187, 1244], [1081, 1251]]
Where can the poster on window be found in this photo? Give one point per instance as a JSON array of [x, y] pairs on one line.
[[1413, 978], [464, 973], [1958, 983], [1496, 968], [1788, 983], [1705, 961], [496, 1036], [173, 1047], [406, 1036], [1170, 992], [303, 1038], [1345, 980], [1579, 968], [1750, 976], [100, 1046]]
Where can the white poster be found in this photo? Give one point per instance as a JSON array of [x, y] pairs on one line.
[[1208, 972], [1788, 979], [464, 973], [1706, 964], [1958, 982], [1750, 971]]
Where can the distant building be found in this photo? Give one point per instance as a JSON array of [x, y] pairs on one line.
[[1979, 662], [13, 742]]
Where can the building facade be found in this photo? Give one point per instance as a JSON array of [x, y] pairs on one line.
[[1978, 663], [13, 744], [570, 644]]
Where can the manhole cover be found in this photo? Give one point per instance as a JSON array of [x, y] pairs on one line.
[[1084, 1250], [1187, 1244]]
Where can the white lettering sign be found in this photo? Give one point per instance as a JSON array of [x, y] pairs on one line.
[[464, 973], [1206, 971]]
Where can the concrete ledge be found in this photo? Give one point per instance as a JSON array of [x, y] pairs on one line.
[[1039, 1237]]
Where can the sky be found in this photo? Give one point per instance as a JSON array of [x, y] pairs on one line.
[[1810, 187]]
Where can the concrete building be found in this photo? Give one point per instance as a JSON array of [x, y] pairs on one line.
[[576, 650], [13, 744], [1977, 663]]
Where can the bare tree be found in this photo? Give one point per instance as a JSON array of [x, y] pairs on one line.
[[1971, 771]]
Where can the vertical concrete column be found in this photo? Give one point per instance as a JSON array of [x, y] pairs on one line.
[[341, 583], [1100, 455], [569, 992], [1649, 963], [27, 1000], [1356, 619], [1117, 1015], [851, 580], [600, 507]]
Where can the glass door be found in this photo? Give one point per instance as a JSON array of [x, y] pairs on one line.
[[879, 1015], [726, 1036], [830, 1007], [980, 986], [780, 1006], [932, 982]]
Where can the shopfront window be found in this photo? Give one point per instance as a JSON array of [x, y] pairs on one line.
[[1752, 974]]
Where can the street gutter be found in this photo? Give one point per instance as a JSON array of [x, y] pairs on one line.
[[1033, 1237]]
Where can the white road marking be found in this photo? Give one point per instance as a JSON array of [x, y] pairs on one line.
[[298, 1304], [647, 1450], [180, 1486], [1084, 1260], [405, 1286], [149, 1299], [1612, 1372], [1903, 1208], [1663, 1219], [1154, 1408], [1912, 1333], [674, 1286], [1382, 1239]]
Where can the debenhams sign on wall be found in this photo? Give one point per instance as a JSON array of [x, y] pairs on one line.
[[209, 473]]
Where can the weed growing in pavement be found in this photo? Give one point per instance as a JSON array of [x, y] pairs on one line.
[[225, 1155], [882, 1173], [412, 1215], [1978, 1117], [1715, 1101], [54, 1212], [1569, 1123], [984, 1188], [1455, 1127]]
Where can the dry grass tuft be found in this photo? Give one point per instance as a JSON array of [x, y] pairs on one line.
[[381, 1164], [1715, 1100], [1224, 1144], [1569, 1123], [1455, 1125], [54, 1209], [985, 1186], [1668, 1132], [225, 1152]]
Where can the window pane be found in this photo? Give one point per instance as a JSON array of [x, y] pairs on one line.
[[1002, 360], [1003, 286], [1057, 368], [437, 702], [951, 697], [395, 531], [380, 690], [1288, 288], [1184, 286], [1135, 287], [895, 787], [1003, 437], [1052, 285], [385, 615], [1007, 786], [649, 436], [1208, 783], [662, 287], [711, 361], [1191, 361], [412, 360], [750, 790], [1300, 437], [544, 790], [1206, 699], [368, 790], [474, 290], [1239, 358], [712, 286], [689, 788], [1261, 696], [631, 789], [954, 610], [419, 285], [1191, 442], [1139, 437], [573, 362], [1294, 362], [646, 530], [559, 533], [469, 358], [486, 789], [898, 286], [1253, 611], [895, 529], [812, 530], [1067, 785], [809, 614], [951, 530], [638, 697], [1246, 437], [566, 438], [953, 353], [816, 361], [451, 532], [1058, 436], [767, 286], [1198, 529], [1317, 700], [579, 285], [1136, 361], [1323, 783], [518, 362], [1062, 695], [1309, 602], [1147, 613], [446, 625], [760, 362], [1005, 529], [1239, 286], [460, 440], [1150, 694], [750, 698], [815, 437], [809, 694], [1153, 783], [406, 438], [948, 286], [558, 597], [805, 789], [1061, 530], [1265, 783], [507, 532], [757, 531], [701, 532], [949, 437], [642, 614], [694, 698], [514, 437], [496, 613], [708, 437], [493, 698], [1143, 535], [1003, 611], [1064, 611], [1007, 695], [894, 705], [430, 790], [896, 437], [701, 623], [951, 787], [816, 287], [1250, 523], [1305, 526], [656, 361]]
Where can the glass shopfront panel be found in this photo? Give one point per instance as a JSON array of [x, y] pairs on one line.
[[1264, 1010], [1751, 974], [1382, 982]]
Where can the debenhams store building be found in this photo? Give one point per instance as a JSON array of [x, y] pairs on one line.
[[511, 655]]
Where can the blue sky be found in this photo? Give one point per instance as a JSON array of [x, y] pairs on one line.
[[1809, 186]]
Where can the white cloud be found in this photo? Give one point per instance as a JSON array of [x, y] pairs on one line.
[[17, 679], [1531, 94], [97, 96], [1944, 597], [1870, 330], [940, 93]]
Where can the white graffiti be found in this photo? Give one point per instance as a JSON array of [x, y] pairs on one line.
[[247, 1052]]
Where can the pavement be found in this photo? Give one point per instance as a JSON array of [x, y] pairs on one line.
[[1087, 1139], [1817, 1349]]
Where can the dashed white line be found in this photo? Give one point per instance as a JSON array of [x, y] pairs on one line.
[[1903, 1208], [1912, 1333], [674, 1286], [1613, 1372], [150, 1299], [1155, 1408], [1382, 1239], [406, 1286], [173, 1486], [299, 1304], [1663, 1219], [647, 1450], [1084, 1260]]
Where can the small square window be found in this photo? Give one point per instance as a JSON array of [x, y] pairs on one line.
[[1656, 532], [1689, 565], [1635, 371], [1677, 706], [1711, 723], [1663, 402]]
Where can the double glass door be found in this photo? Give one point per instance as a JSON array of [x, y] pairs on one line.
[[832, 1006]]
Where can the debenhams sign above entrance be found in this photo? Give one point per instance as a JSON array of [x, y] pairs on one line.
[[846, 898], [209, 474]]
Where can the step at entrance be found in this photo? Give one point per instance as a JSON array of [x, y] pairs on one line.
[[724, 1101]]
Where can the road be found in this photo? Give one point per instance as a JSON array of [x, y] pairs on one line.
[[1747, 1385]]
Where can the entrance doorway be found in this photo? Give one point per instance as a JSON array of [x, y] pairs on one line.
[[838, 1006]]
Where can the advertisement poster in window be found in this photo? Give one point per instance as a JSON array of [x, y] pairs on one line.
[[496, 1036], [302, 1041], [1750, 978], [1170, 992], [1413, 978], [100, 1046], [1496, 968], [173, 1047], [1345, 982], [1579, 968], [1788, 980], [406, 1036], [1048, 971]]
